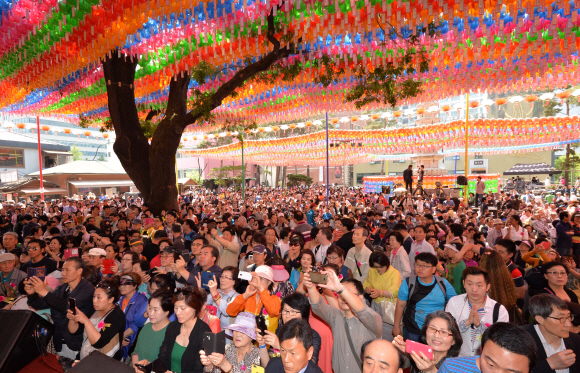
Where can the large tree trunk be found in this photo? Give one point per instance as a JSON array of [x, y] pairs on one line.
[[131, 145], [152, 167]]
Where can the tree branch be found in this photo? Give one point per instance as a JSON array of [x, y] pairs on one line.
[[152, 114], [244, 74]]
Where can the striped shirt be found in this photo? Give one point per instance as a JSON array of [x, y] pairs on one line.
[[460, 365]]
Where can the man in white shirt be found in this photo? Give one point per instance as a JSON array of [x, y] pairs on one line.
[[419, 246], [475, 311], [557, 347], [324, 236], [357, 259]]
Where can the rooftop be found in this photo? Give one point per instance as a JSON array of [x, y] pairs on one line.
[[84, 168]]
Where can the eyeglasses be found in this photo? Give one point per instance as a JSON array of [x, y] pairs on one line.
[[289, 313], [226, 278], [557, 273], [442, 332], [332, 257], [32, 248], [122, 240], [422, 266], [563, 319]]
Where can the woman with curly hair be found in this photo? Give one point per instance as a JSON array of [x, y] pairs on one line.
[[502, 288]]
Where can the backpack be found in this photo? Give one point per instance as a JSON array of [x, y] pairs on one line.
[[411, 281], [535, 278]]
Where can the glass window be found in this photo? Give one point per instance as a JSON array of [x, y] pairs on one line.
[[11, 157]]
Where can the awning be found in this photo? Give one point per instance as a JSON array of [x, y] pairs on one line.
[[55, 152], [101, 183], [46, 191], [532, 169]]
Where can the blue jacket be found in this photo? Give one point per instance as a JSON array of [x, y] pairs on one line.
[[135, 306]]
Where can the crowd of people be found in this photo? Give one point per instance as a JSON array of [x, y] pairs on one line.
[[356, 282]]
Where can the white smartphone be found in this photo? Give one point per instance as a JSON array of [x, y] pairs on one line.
[[245, 276]]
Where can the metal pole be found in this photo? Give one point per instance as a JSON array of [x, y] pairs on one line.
[[466, 146], [327, 164], [40, 158], [243, 170]]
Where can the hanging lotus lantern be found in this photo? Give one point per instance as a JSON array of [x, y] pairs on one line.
[[531, 98], [261, 129], [194, 138], [501, 101], [563, 95], [334, 121], [275, 128], [67, 131], [375, 116], [397, 114], [308, 124], [420, 111], [205, 137], [87, 134], [474, 104], [45, 129], [20, 125], [354, 119], [445, 108], [105, 135]]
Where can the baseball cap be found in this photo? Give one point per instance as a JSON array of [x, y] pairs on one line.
[[497, 221], [260, 249], [97, 251], [135, 241], [265, 272], [7, 256], [136, 221]]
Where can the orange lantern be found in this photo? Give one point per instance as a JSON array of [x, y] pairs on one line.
[[500, 101], [105, 135], [292, 126], [261, 129], [353, 119], [420, 111], [194, 138], [228, 134], [247, 131], [205, 137], [275, 128], [67, 130], [334, 121], [308, 124], [375, 116], [446, 108], [20, 125], [531, 98], [397, 114], [474, 104], [87, 133], [45, 128]]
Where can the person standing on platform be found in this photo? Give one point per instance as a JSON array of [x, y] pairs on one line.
[[408, 178]]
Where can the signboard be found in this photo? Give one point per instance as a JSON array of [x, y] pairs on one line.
[[9, 176]]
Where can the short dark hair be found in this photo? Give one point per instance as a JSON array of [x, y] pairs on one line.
[[307, 252], [299, 329], [40, 243], [110, 288], [563, 214], [456, 229], [327, 232], [357, 284], [348, 223], [399, 237], [214, 252], [298, 215], [475, 271], [399, 227], [422, 227], [234, 271], [380, 258], [163, 281], [191, 296], [427, 258], [513, 339], [543, 304], [509, 245], [548, 266], [79, 262], [298, 302], [335, 249]]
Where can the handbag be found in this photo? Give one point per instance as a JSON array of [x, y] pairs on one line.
[[388, 307]]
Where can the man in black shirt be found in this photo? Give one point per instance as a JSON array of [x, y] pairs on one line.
[[74, 286], [408, 177], [36, 250]]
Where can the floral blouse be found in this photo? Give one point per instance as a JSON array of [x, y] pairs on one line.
[[244, 366]]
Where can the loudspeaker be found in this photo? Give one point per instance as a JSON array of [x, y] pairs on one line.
[[97, 362], [386, 189], [461, 180], [25, 336]]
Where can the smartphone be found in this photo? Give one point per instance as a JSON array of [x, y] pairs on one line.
[[257, 369], [318, 278], [79, 228], [261, 324], [38, 272], [205, 277], [250, 256], [245, 276], [70, 253], [214, 342], [108, 263], [411, 346], [93, 231], [144, 368], [72, 305]]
